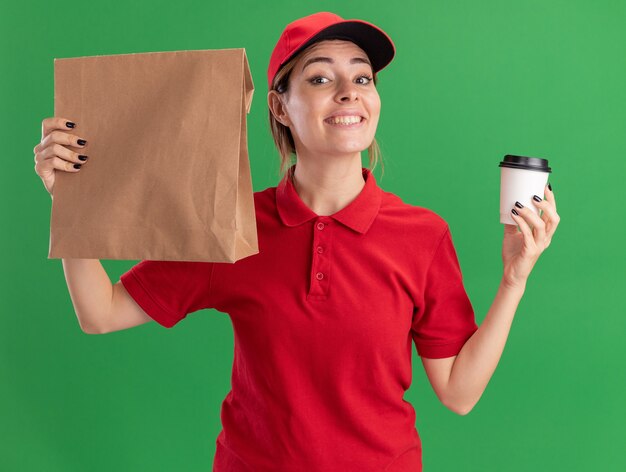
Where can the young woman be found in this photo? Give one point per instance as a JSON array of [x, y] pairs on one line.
[[347, 278]]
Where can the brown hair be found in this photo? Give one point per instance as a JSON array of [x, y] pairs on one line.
[[282, 134]]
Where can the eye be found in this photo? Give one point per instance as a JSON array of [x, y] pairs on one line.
[[318, 80], [364, 79]]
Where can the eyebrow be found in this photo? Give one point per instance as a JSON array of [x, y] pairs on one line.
[[354, 60]]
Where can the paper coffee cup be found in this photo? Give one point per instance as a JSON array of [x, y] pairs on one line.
[[521, 177]]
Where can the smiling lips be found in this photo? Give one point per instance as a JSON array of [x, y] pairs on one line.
[[344, 120]]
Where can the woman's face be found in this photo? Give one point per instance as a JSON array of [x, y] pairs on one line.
[[331, 105]]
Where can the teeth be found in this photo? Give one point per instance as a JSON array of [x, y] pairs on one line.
[[344, 120]]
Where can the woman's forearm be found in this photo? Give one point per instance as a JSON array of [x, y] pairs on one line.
[[522, 245], [477, 360], [90, 290]]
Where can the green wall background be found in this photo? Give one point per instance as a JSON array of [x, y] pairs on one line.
[[471, 81]]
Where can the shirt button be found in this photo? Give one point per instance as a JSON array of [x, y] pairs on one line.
[[320, 225], [320, 249], [319, 276]]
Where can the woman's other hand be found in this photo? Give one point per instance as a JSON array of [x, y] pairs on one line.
[[521, 249], [54, 153]]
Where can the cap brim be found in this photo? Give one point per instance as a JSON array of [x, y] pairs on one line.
[[376, 44]]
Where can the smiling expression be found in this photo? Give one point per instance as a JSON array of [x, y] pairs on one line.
[[332, 105]]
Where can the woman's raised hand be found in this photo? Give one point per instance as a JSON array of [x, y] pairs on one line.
[[55, 150], [521, 249]]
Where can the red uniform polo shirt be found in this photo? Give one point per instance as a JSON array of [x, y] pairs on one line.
[[324, 317]]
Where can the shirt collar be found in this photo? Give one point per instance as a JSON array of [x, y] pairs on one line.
[[358, 215]]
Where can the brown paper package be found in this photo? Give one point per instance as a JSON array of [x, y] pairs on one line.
[[168, 175]]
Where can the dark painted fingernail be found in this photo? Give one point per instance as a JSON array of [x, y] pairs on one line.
[[69, 124], [536, 198], [82, 158], [77, 166], [519, 205], [514, 212], [82, 142], [550, 186]]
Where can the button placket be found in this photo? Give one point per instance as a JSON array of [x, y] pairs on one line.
[[320, 267]]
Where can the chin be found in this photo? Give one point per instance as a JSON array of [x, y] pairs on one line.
[[340, 146], [348, 146], [351, 149]]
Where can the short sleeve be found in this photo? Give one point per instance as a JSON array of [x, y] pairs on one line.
[[446, 320], [169, 290]]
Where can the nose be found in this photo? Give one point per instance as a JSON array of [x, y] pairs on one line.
[[346, 91]]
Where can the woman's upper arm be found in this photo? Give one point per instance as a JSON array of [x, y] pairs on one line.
[[125, 312], [438, 372]]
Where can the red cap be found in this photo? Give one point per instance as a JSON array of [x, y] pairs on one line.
[[303, 32]]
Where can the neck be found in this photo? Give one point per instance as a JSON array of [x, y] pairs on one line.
[[328, 186]]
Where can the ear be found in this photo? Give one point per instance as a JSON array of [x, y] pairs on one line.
[[277, 107]]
